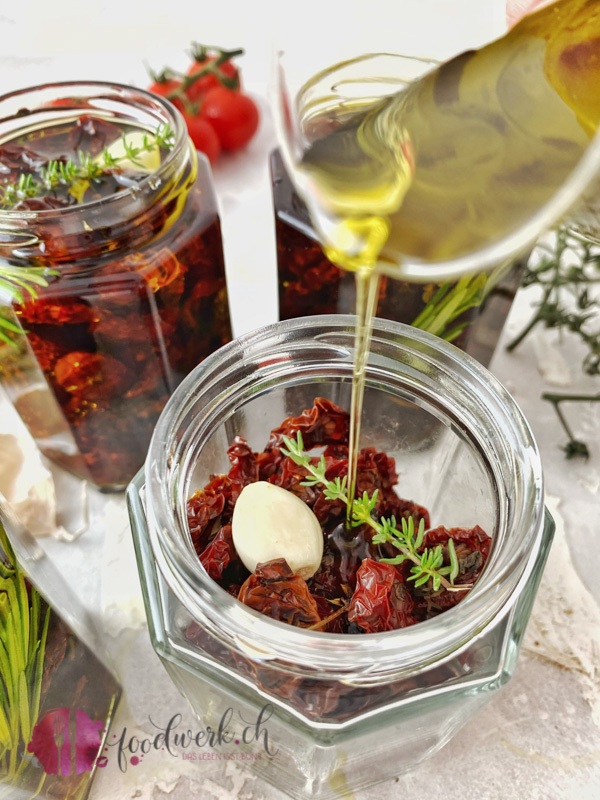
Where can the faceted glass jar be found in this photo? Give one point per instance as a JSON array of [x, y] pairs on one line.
[[470, 312], [136, 294], [335, 711]]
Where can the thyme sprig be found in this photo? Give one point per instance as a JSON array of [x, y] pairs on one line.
[[87, 168], [568, 274], [574, 447], [427, 563]]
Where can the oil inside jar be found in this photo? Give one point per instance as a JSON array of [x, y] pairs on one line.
[[138, 299]]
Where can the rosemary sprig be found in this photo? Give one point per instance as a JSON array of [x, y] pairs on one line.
[[427, 563], [15, 284], [568, 274], [448, 303], [24, 621], [87, 168]]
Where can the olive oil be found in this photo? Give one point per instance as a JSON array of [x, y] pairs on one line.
[[457, 171], [464, 166]]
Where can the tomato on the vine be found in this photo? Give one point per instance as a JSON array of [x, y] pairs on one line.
[[228, 72], [233, 115], [203, 136], [165, 88], [217, 114]]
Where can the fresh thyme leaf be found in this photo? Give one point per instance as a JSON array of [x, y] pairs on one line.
[[567, 274], [428, 565]]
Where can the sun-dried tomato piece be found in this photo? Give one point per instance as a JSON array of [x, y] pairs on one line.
[[45, 350], [276, 592], [203, 507], [381, 600], [160, 268], [44, 203], [79, 407], [244, 467], [91, 375], [56, 312], [219, 553], [472, 547], [290, 477], [324, 423]]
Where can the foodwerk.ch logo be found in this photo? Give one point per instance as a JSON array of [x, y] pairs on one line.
[[67, 742]]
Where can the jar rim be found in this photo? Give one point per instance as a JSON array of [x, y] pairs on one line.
[[511, 441], [159, 104]]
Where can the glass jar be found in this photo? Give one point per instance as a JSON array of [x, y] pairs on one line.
[[337, 710], [470, 312], [133, 261], [58, 691]]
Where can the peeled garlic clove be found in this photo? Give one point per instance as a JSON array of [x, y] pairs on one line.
[[270, 522]]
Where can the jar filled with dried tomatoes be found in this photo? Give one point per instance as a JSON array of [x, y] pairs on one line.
[[330, 668], [469, 312], [112, 279]]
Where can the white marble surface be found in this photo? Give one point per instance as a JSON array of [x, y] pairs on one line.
[[540, 737]]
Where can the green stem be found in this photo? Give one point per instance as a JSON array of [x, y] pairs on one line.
[[573, 447], [210, 68]]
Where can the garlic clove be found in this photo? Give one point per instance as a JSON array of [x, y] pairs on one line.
[[270, 522]]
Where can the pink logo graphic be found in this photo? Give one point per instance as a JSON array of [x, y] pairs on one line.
[[66, 742]]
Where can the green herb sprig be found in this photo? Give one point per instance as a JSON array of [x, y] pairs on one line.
[[449, 302], [568, 274], [24, 621], [15, 284], [87, 168], [427, 563]]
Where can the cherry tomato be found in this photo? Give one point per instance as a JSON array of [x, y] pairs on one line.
[[233, 115], [209, 81], [66, 102], [164, 88], [203, 136]]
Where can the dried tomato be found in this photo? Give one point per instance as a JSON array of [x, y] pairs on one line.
[[203, 507], [219, 553], [61, 311], [381, 600], [244, 466], [352, 591], [276, 592], [91, 375], [472, 547], [324, 423]]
